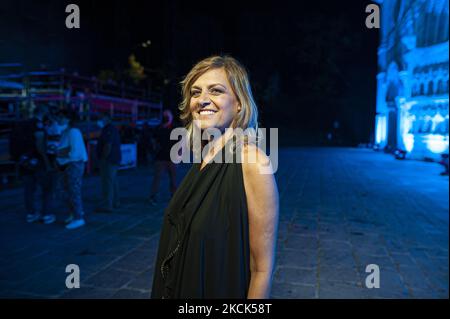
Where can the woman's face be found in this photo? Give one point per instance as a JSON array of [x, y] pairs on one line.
[[213, 103]]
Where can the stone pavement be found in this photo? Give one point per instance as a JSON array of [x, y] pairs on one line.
[[341, 209]]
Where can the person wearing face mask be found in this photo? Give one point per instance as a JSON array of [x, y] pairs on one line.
[[162, 145], [109, 156], [71, 159], [29, 150]]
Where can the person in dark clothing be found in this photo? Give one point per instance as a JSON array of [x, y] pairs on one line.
[[444, 162], [109, 156], [219, 231], [35, 167], [162, 145], [145, 144]]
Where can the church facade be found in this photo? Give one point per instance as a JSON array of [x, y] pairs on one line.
[[413, 78]]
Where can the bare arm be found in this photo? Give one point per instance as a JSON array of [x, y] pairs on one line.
[[262, 201]]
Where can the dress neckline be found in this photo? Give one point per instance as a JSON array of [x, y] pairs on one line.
[[200, 168]]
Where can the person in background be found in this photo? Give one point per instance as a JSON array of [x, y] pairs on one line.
[[145, 143], [29, 150], [162, 145], [52, 141], [71, 158], [109, 157], [444, 162]]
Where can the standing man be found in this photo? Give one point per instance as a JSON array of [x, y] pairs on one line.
[[109, 155], [162, 145]]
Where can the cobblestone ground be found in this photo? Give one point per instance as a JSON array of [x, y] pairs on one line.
[[341, 210]]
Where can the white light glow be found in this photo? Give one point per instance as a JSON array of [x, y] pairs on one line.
[[436, 143], [408, 141]]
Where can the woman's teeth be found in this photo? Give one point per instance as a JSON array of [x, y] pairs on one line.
[[206, 112]]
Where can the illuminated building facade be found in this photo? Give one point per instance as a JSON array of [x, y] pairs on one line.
[[412, 80]]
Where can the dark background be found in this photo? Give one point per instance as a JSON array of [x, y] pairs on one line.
[[309, 63]]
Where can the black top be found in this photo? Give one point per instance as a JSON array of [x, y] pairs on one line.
[[110, 135], [22, 144], [23, 140], [204, 245]]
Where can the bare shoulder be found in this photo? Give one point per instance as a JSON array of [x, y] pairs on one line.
[[260, 187], [254, 160]]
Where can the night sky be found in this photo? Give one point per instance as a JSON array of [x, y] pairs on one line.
[[309, 63]]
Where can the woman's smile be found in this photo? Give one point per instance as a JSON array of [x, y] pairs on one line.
[[206, 113]]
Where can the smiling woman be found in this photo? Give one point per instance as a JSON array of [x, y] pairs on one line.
[[213, 102], [219, 230], [219, 85]]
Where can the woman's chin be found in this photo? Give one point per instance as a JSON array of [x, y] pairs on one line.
[[210, 124], [203, 125]]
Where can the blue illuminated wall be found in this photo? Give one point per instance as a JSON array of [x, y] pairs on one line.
[[412, 80]]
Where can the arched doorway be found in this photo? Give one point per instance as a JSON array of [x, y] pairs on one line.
[[391, 95]]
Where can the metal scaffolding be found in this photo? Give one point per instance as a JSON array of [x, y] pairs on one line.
[[21, 92]]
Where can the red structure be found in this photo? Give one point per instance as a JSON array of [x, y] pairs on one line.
[[21, 91]]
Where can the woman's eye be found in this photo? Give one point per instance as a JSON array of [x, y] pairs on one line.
[[195, 93], [216, 91]]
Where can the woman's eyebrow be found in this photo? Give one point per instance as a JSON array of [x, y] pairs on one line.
[[209, 86]]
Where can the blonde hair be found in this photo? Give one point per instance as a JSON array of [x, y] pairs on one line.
[[247, 118]]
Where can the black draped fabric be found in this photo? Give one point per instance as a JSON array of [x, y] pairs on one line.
[[204, 244]]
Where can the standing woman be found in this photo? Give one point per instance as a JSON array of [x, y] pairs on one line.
[[71, 158], [219, 230]]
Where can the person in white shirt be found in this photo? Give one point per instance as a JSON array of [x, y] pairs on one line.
[[71, 158]]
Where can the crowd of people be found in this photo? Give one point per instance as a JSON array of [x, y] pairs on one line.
[[51, 155]]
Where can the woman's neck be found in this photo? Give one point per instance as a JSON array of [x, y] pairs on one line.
[[215, 145]]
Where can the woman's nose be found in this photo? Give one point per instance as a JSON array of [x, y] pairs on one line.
[[204, 99]]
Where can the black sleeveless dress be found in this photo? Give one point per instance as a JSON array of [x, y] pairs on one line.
[[204, 244]]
